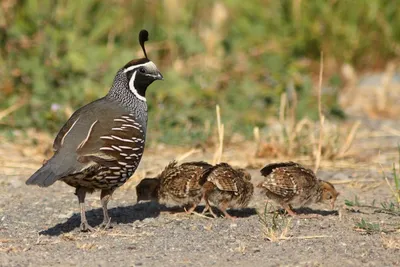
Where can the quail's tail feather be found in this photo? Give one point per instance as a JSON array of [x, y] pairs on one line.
[[270, 167], [45, 176]]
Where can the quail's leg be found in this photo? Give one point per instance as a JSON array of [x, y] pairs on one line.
[[223, 208], [105, 196], [191, 209], [288, 208], [208, 208], [81, 193]]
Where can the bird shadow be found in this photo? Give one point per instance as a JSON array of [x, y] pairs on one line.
[[309, 211], [130, 214], [238, 213], [119, 215]]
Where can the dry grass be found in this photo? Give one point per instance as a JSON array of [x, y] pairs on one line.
[[317, 152], [275, 226], [391, 242], [4, 113], [292, 138], [220, 130]]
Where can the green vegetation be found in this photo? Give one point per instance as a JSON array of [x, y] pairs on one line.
[[58, 55], [393, 206], [368, 227]]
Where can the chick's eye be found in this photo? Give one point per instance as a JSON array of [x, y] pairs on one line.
[[142, 70]]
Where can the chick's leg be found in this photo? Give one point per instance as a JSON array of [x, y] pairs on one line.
[[288, 208], [223, 207]]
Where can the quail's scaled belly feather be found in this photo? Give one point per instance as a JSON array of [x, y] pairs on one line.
[[102, 143]]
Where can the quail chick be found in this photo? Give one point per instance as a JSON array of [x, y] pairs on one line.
[[176, 185], [227, 187], [289, 183]]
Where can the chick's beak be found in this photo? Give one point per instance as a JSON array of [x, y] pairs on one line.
[[332, 204]]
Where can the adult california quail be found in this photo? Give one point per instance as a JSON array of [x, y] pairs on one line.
[[289, 183], [227, 187], [101, 145], [176, 185]]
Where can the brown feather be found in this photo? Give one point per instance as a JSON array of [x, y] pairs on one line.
[[228, 187], [291, 183]]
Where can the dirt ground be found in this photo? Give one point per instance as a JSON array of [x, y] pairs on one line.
[[40, 227]]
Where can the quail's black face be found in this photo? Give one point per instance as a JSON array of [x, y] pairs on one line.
[[140, 74]]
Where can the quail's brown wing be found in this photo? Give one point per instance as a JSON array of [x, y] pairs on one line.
[[180, 180], [224, 177], [117, 139], [99, 138], [199, 171], [287, 182]]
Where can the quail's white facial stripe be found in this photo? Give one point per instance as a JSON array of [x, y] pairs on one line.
[[149, 66], [132, 87]]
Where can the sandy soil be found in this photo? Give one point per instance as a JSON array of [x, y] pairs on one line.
[[40, 227]]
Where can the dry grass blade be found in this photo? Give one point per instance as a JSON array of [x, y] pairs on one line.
[[201, 215], [11, 109], [257, 138], [188, 154], [391, 242], [349, 140], [311, 237], [220, 128], [321, 116]]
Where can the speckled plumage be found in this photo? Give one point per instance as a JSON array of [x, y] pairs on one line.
[[227, 187], [176, 185], [289, 183]]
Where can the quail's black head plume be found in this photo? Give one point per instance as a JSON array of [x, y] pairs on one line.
[[143, 37], [102, 143], [176, 185]]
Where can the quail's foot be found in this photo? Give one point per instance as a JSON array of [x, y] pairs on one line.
[[228, 216], [191, 209], [106, 224], [223, 208], [85, 227], [209, 209]]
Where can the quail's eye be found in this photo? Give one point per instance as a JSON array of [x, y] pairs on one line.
[[142, 70], [330, 197]]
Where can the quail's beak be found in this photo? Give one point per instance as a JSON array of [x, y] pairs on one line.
[[159, 76]]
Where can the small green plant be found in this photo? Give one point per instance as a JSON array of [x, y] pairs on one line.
[[393, 206], [396, 189], [390, 207], [367, 227], [275, 225], [354, 203]]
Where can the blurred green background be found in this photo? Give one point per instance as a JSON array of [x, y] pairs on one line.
[[56, 56]]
